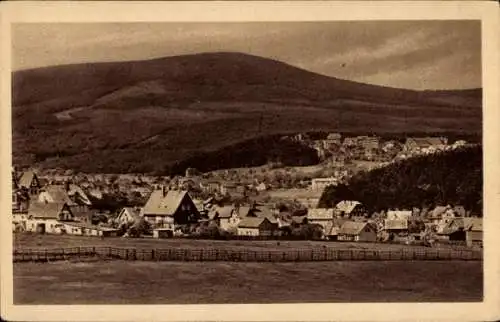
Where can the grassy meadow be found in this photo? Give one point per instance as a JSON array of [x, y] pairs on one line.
[[120, 282]]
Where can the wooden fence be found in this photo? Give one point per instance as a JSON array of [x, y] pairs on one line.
[[213, 254]]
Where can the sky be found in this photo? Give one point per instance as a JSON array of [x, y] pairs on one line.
[[406, 54]]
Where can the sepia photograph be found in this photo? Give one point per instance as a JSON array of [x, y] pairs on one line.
[[247, 162]]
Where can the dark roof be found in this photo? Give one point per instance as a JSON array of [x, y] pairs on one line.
[[352, 227], [251, 222]]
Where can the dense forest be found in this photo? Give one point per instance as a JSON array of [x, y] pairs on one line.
[[255, 152], [453, 177]]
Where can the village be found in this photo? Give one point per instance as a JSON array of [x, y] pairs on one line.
[[241, 204]]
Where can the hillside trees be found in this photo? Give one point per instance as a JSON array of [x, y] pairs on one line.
[[453, 177]]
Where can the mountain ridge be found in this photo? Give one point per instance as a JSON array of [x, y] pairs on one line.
[[179, 105]]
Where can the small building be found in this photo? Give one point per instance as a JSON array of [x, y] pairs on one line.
[[261, 187], [333, 139], [168, 208], [256, 226], [396, 226], [68, 193], [210, 186], [332, 228], [320, 216], [47, 217], [357, 231], [399, 214], [30, 182], [368, 142], [350, 208], [468, 229], [225, 217], [425, 144], [128, 216], [319, 184], [474, 231]]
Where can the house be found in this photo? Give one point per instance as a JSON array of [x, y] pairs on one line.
[[350, 142], [368, 142], [350, 208], [47, 217], [256, 226], [398, 214], [473, 228], [30, 182], [168, 208], [71, 194], [357, 231], [261, 187], [468, 229], [396, 226], [229, 188], [441, 215], [129, 216], [333, 139], [226, 217], [320, 216], [210, 186], [425, 144], [332, 228], [319, 184]]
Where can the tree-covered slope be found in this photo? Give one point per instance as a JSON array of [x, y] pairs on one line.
[[453, 177]]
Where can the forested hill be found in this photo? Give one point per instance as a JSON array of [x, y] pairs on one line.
[[154, 115], [453, 177]]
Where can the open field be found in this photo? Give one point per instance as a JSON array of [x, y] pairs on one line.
[[121, 282], [36, 241]]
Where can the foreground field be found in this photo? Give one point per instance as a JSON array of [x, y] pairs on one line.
[[37, 241], [120, 282]]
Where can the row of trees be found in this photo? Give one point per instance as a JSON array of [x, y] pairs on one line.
[[453, 177]]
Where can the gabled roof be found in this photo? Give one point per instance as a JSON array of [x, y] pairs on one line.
[[45, 210], [352, 227], [399, 224], [167, 205], [333, 227], [132, 211], [251, 222], [320, 214], [76, 190], [59, 194], [26, 179], [399, 214], [243, 211], [426, 142], [347, 206], [223, 212]]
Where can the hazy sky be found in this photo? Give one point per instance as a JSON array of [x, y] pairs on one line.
[[418, 54]]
